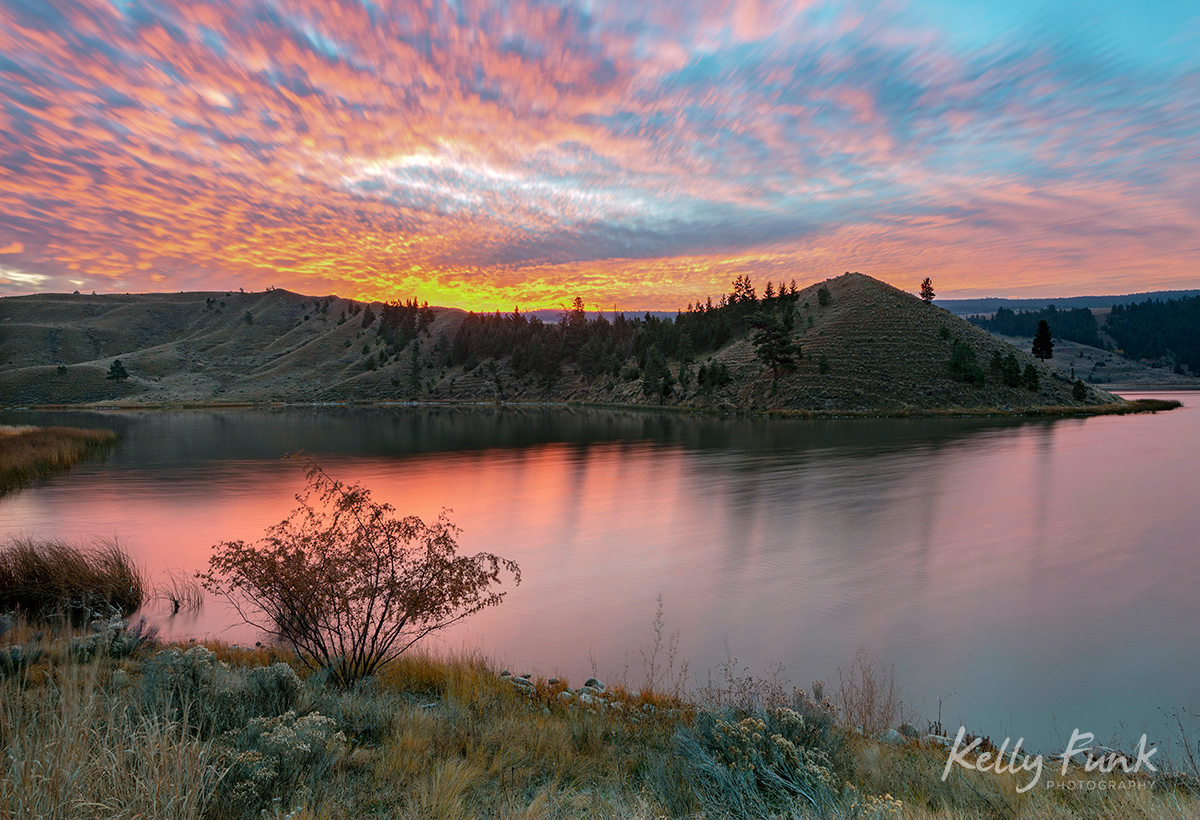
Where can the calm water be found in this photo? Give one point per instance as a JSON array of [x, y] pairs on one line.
[[1047, 572]]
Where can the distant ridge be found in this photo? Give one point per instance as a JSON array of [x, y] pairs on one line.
[[968, 307]]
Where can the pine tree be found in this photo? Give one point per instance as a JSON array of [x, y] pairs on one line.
[[1031, 377], [656, 378], [414, 368], [927, 290], [773, 341], [1043, 342], [117, 371]]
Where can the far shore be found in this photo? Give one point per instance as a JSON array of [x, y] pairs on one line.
[[1151, 388], [1126, 408]]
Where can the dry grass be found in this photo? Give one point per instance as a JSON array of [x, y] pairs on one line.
[[911, 774], [44, 578], [73, 748], [457, 740], [27, 453], [867, 697], [1123, 409]]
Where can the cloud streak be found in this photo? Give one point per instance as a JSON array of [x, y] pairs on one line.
[[487, 154]]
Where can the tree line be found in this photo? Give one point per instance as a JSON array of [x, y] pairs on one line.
[[636, 347], [1154, 329], [1076, 324]]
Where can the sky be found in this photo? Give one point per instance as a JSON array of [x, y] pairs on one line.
[[639, 155]]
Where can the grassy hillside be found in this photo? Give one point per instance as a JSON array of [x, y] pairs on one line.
[[869, 348]]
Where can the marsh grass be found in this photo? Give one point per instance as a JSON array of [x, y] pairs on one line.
[[180, 592], [79, 582], [27, 453]]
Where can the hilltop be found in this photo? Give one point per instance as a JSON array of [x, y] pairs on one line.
[[865, 347]]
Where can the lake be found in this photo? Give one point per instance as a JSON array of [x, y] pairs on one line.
[[1039, 575]]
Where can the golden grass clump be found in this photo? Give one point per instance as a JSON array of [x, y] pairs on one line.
[[28, 452], [44, 578]]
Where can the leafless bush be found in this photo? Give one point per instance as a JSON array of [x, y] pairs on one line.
[[349, 586], [734, 686], [867, 696], [664, 674]]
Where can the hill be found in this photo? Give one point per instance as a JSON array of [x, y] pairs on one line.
[[869, 348]]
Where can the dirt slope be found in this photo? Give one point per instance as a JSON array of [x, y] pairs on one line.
[[884, 348]]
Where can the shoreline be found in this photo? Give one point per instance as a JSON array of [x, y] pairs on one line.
[[1044, 411]]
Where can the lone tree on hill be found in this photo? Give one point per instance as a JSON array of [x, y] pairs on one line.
[[348, 585], [773, 342], [117, 371], [927, 290], [1043, 343]]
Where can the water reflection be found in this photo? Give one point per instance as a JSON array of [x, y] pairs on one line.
[[1044, 570]]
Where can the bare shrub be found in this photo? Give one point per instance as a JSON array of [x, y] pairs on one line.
[[349, 586], [665, 672], [735, 686], [867, 696]]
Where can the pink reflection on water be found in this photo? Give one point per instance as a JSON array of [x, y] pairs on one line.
[[1046, 571]]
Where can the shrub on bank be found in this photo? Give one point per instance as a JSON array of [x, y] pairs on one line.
[[757, 764], [211, 696]]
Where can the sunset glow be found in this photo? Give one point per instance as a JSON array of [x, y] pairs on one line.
[[484, 154]]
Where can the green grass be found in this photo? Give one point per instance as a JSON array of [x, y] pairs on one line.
[[28, 453]]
